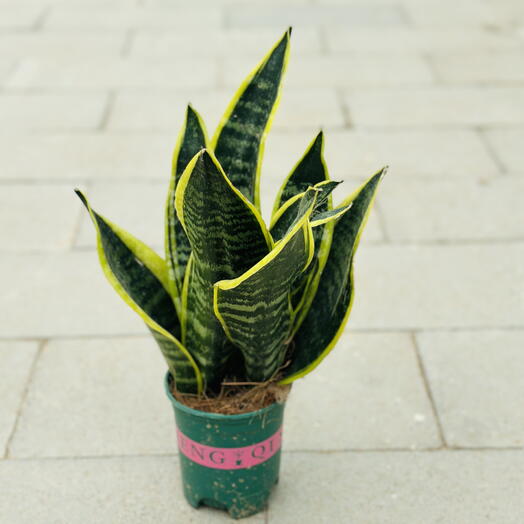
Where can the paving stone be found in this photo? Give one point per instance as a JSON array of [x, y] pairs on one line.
[[410, 40], [70, 3], [368, 392], [38, 112], [480, 68], [96, 397], [233, 3], [476, 381], [237, 42], [467, 13], [20, 17], [343, 71], [308, 15], [407, 488], [6, 67], [86, 156], [424, 153], [304, 108], [61, 44], [459, 209], [507, 144], [147, 156], [469, 106], [120, 490], [416, 287], [136, 207], [16, 359], [105, 73], [37, 218], [133, 17], [60, 294]]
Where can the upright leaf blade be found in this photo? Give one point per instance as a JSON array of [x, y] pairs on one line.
[[333, 299], [310, 170], [191, 140], [287, 213], [255, 308], [139, 276], [238, 142], [227, 237]]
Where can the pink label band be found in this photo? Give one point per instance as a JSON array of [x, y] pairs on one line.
[[229, 458]]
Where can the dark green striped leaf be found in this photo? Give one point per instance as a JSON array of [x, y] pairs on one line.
[[333, 298], [322, 214], [255, 309], [191, 140], [326, 216], [309, 171], [139, 276], [288, 212], [227, 237], [239, 140]]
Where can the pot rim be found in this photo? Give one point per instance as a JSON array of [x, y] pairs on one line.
[[207, 414]]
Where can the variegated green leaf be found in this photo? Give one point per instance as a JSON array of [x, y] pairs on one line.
[[238, 142], [326, 216], [139, 276], [227, 237], [333, 298], [255, 308], [191, 140], [283, 218], [309, 171], [322, 236]]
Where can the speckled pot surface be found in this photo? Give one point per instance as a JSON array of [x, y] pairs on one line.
[[229, 462]]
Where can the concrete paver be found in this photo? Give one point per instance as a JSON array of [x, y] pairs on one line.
[[436, 210], [371, 386], [439, 286], [476, 381], [133, 490], [96, 397], [398, 487], [438, 106], [37, 218], [16, 358], [52, 112], [60, 294]]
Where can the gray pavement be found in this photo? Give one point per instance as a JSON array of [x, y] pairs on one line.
[[417, 417]]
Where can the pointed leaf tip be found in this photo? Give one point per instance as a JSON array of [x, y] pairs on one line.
[[82, 197]]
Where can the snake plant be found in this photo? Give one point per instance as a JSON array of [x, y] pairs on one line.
[[235, 297]]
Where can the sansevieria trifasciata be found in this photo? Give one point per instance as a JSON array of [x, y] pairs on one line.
[[235, 297]]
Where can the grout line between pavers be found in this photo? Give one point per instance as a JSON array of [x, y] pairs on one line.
[[10, 72], [30, 376], [127, 45], [436, 78], [108, 109], [361, 331], [41, 18], [405, 16], [352, 451], [427, 387], [345, 111], [382, 223], [491, 151], [372, 244], [322, 39]]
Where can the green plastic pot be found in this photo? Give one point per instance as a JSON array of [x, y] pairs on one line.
[[228, 462]]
